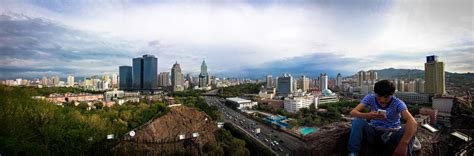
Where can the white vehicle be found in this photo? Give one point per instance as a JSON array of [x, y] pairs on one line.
[[266, 140], [272, 144], [257, 130], [276, 142]]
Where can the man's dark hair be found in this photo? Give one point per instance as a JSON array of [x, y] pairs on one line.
[[384, 88]]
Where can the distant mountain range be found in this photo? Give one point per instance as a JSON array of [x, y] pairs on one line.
[[391, 73], [399, 73]]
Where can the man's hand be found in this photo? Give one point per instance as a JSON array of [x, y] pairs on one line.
[[375, 115], [401, 149]]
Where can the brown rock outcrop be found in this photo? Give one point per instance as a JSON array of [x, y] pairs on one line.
[[160, 136], [331, 140]]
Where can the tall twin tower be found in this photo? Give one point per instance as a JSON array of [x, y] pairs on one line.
[[142, 76]]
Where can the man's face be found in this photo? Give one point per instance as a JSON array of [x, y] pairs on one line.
[[383, 100]]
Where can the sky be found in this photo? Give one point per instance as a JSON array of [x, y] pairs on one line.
[[236, 38]]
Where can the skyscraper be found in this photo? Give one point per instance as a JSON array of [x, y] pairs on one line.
[[366, 77], [203, 76], [285, 85], [145, 70], [401, 86], [339, 80], [137, 79], [269, 81], [114, 80], [410, 86], [323, 81], [434, 76], [150, 72], [303, 83], [44, 81], [70, 80], [106, 77], [125, 77], [55, 80], [360, 78], [164, 79], [177, 78], [374, 76], [190, 79], [420, 86]]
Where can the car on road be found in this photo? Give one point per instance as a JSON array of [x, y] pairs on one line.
[[280, 149], [266, 140]]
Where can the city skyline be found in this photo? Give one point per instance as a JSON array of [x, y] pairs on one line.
[[237, 39]]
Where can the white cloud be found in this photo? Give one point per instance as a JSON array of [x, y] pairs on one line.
[[235, 35]]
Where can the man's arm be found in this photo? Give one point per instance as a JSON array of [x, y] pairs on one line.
[[357, 112], [410, 130]]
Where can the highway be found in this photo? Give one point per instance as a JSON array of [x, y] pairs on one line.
[[279, 142]]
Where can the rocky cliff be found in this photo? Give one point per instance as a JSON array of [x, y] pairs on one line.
[[161, 136], [331, 140]]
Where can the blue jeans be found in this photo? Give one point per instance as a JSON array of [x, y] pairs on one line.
[[360, 129]]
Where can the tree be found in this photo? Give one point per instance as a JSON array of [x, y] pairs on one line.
[[237, 148], [213, 149], [308, 121], [98, 105], [83, 106], [294, 123], [317, 121]]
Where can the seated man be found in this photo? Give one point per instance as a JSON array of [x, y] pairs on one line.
[[384, 116]]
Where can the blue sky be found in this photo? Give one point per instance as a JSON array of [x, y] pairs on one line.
[[236, 38]]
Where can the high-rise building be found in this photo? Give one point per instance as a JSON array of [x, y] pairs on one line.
[[434, 76], [114, 80], [55, 80], [303, 83], [285, 85], [145, 72], [150, 72], [420, 86], [295, 85], [137, 79], [70, 80], [190, 79], [269, 81], [323, 81], [106, 77], [203, 76], [366, 77], [360, 78], [177, 78], [164, 79], [410, 86], [44, 81], [401, 86], [374, 76], [125, 77], [339, 80], [395, 83]]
